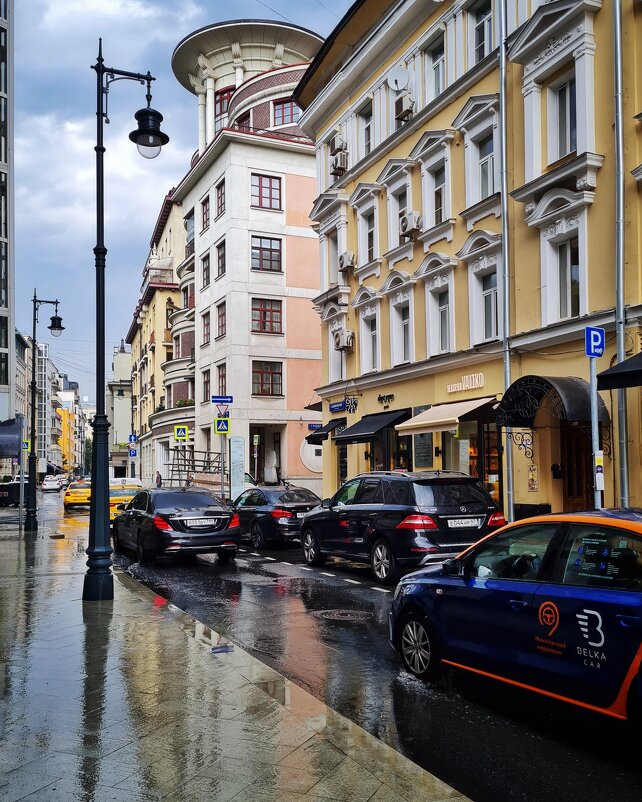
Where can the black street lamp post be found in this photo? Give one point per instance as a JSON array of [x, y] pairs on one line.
[[56, 328], [99, 581]]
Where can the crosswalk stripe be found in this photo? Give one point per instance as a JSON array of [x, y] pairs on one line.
[[353, 581], [323, 573], [283, 562], [271, 558], [381, 590]]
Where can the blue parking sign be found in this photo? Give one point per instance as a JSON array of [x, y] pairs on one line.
[[132, 452], [595, 341]]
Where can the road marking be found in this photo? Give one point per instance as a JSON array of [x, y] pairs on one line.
[[271, 558], [382, 590], [323, 573], [353, 581], [255, 554], [305, 568], [283, 562]]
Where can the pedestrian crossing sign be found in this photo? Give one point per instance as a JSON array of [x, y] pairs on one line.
[[222, 425], [181, 433], [25, 445]]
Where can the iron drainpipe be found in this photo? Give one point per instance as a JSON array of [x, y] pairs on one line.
[[503, 160], [620, 311]]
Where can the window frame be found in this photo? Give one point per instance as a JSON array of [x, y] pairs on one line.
[[285, 104], [205, 271], [205, 213], [270, 375], [274, 192], [207, 389], [221, 378], [205, 328], [484, 24], [271, 316], [220, 198], [221, 259], [221, 319], [266, 254]]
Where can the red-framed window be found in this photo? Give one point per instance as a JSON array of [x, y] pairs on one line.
[[267, 316], [266, 191], [243, 121], [267, 378], [206, 327], [221, 320], [221, 378], [221, 103], [205, 213], [266, 254], [220, 198], [205, 270], [206, 385], [286, 112], [220, 259]]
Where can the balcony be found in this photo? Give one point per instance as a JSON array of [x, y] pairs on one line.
[[157, 278], [189, 249]]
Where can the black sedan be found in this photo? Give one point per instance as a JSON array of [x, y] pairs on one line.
[[273, 514], [171, 521]]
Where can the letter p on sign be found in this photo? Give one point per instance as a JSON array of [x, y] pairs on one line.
[[595, 341]]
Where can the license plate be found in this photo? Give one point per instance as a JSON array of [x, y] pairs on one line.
[[202, 522], [300, 515], [463, 523]]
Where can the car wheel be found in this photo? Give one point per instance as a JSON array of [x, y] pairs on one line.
[[383, 563], [141, 552], [226, 557], [257, 537], [311, 551], [418, 647]]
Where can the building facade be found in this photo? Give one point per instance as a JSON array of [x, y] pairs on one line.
[[7, 246], [118, 403], [245, 326], [454, 293]]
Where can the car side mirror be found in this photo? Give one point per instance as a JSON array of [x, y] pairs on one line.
[[121, 507], [326, 503], [453, 567]]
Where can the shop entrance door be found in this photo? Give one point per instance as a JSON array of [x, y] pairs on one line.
[[576, 467]]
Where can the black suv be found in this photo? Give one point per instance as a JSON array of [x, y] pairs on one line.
[[394, 520]]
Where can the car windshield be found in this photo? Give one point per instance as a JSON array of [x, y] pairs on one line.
[[185, 501], [442, 494], [299, 495], [122, 492], [79, 486]]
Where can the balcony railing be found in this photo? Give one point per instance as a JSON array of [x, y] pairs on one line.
[[157, 275], [189, 248]]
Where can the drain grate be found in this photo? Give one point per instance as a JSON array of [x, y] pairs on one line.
[[352, 616]]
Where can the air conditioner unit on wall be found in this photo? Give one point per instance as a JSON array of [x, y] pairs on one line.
[[346, 260], [410, 224], [339, 163], [343, 340], [337, 144], [404, 106]]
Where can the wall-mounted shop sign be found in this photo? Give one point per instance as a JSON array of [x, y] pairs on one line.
[[338, 406], [386, 399], [314, 426], [471, 381]]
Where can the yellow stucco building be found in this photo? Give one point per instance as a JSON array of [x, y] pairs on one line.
[[468, 230]]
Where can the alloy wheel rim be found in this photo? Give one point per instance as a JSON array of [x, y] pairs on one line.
[[381, 561], [308, 546], [415, 646], [256, 537]]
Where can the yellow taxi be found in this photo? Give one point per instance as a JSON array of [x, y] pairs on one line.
[[78, 494], [121, 492]]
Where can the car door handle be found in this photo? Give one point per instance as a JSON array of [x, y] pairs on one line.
[[518, 604], [627, 621]]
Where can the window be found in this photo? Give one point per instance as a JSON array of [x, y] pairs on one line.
[[206, 328], [439, 194], [436, 69], [486, 167], [221, 378], [205, 213], [369, 221], [221, 104], [286, 112], [600, 557], [4, 368], [345, 495], [489, 296], [569, 278], [266, 316], [221, 321], [517, 554], [365, 119], [266, 192], [370, 492], [220, 259], [205, 270], [483, 41], [189, 228], [206, 386], [220, 198], [566, 119], [267, 378], [402, 206], [266, 254], [404, 314], [243, 121], [443, 310]]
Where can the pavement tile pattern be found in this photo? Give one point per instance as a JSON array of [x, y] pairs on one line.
[[134, 701]]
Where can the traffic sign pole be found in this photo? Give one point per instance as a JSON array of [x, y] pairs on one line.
[[595, 341]]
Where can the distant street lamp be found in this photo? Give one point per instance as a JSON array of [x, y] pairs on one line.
[[99, 581], [56, 328]]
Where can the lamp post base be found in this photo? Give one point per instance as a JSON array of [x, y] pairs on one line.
[[31, 523], [98, 587]]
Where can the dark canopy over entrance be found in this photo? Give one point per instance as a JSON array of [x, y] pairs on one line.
[[569, 397], [627, 373]]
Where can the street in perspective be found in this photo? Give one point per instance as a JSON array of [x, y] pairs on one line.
[[320, 374]]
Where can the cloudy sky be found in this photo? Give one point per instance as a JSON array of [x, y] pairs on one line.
[[56, 42]]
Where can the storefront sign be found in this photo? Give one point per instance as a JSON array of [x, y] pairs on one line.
[[338, 406], [471, 381], [422, 445], [386, 399], [314, 426], [533, 479]]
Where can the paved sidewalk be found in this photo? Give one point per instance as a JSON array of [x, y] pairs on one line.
[[133, 700]]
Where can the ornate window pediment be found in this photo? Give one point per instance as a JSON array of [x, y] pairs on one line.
[[332, 313], [397, 280], [435, 264], [475, 109], [431, 142], [328, 203], [481, 251], [363, 194], [365, 297], [394, 171], [559, 207]]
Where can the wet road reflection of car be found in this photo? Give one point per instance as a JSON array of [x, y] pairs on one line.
[[552, 605], [273, 514], [172, 521]]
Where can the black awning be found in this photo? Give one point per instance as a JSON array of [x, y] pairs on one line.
[[317, 437], [364, 430], [627, 373], [567, 398]]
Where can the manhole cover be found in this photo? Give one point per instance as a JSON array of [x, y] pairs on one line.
[[353, 616]]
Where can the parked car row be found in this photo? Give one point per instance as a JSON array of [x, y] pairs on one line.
[[54, 483]]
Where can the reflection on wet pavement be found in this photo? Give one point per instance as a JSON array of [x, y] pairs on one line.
[[135, 700]]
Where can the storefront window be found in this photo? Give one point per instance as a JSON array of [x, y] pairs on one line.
[[474, 449]]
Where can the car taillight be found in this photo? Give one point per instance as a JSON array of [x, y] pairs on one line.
[[278, 513], [234, 521], [161, 523], [417, 522], [497, 519]]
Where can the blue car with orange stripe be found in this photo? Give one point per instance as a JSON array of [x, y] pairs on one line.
[[551, 604]]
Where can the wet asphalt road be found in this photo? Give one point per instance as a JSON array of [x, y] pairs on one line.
[[326, 629]]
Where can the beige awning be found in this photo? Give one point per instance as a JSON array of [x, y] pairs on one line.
[[442, 417]]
